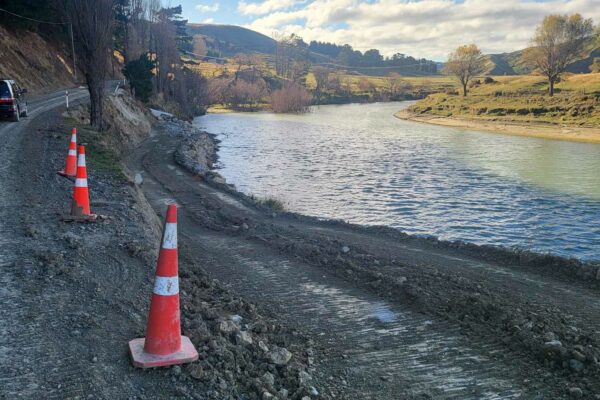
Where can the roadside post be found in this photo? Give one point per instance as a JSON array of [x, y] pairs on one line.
[[67, 98]]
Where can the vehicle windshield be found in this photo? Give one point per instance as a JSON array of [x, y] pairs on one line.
[[4, 90]]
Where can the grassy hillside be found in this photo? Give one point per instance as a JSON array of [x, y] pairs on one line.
[[511, 64], [522, 99]]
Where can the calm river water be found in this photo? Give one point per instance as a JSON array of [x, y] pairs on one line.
[[361, 164]]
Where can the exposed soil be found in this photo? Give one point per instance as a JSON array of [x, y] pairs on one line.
[[33, 62]]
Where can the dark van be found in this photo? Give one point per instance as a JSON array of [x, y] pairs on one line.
[[12, 100]]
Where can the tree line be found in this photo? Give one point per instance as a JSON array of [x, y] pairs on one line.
[[347, 56]]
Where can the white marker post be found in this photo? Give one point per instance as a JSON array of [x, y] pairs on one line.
[[67, 98]]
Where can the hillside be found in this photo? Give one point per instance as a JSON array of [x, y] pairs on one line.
[[37, 64], [229, 40], [234, 39], [511, 64]]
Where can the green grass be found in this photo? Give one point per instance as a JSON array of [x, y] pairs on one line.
[[523, 99], [100, 157]]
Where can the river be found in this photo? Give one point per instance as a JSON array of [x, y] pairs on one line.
[[360, 164]]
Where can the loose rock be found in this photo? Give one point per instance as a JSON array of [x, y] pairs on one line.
[[280, 356]]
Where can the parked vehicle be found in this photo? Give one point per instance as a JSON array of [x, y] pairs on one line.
[[13, 103]]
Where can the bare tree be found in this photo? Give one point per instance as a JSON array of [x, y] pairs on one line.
[[365, 85], [333, 82], [218, 90], [465, 63], [291, 57], [166, 55], [93, 23], [136, 30], [557, 42], [321, 75], [199, 48], [396, 85]]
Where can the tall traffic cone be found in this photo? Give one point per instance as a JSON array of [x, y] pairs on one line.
[[80, 208], [71, 164], [164, 344]]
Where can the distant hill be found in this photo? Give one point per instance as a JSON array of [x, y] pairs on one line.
[[511, 64], [228, 40], [234, 39]]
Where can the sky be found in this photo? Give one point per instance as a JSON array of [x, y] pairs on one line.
[[420, 28]]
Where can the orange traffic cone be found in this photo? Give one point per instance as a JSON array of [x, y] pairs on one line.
[[80, 208], [164, 344], [71, 164]]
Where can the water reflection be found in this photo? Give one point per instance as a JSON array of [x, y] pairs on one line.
[[358, 163]]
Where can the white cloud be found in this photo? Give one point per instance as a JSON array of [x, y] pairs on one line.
[[265, 6], [208, 21], [426, 28], [203, 8]]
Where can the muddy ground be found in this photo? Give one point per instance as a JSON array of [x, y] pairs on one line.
[[366, 313], [73, 294]]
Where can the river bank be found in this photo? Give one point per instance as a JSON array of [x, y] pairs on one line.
[[351, 286], [530, 129], [360, 164]]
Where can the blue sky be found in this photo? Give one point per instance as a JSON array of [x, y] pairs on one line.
[[422, 28]]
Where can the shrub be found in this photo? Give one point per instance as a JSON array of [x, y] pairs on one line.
[[270, 202], [291, 98], [488, 80]]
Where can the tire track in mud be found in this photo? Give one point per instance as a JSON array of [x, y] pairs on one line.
[[398, 351], [381, 350]]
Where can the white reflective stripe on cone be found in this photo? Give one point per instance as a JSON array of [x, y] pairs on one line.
[[80, 182], [73, 138], [81, 160], [170, 238], [72, 152], [166, 285]]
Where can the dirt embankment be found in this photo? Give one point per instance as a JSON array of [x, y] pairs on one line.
[[243, 353], [89, 287], [35, 63]]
